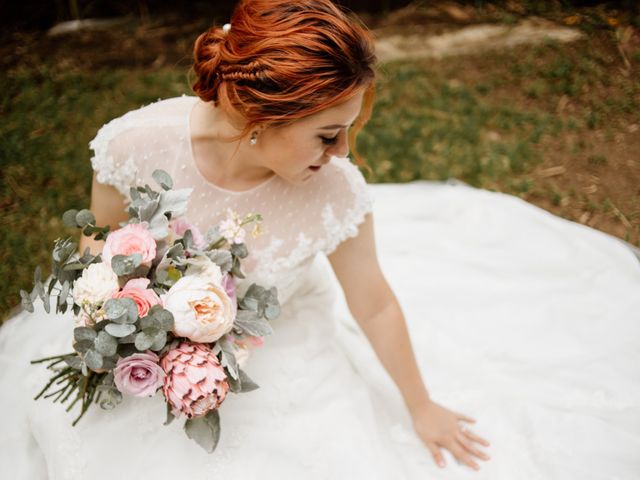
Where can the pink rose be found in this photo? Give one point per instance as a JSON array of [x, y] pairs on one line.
[[229, 285], [130, 239], [145, 298], [195, 382], [139, 374], [179, 225]]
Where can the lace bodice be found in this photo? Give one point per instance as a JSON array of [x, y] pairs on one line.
[[298, 221]]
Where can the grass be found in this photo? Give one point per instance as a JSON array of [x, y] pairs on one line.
[[493, 121]]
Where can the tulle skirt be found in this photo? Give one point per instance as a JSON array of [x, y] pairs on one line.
[[522, 320]]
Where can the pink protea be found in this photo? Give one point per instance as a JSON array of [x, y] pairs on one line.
[[195, 381]]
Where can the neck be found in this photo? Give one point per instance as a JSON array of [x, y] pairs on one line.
[[228, 164]]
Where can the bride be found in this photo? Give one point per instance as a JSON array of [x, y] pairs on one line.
[[503, 298]]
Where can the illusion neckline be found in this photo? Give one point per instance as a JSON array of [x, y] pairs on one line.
[[194, 165]]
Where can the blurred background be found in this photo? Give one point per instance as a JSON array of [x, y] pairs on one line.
[[538, 99]]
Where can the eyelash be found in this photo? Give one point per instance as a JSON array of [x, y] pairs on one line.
[[331, 140]]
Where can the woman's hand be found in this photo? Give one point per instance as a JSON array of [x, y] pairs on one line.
[[439, 427]]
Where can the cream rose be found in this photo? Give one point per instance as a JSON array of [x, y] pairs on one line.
[[201, 309], [96, 285]]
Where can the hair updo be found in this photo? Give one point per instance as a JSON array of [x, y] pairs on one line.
[[283, 60]]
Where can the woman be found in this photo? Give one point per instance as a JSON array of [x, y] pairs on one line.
[[277, 91]]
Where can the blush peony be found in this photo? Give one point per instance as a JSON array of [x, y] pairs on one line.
[[201, 309], [145, 298], [130, 239]]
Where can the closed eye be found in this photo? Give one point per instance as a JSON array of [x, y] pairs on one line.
[[331, 140]]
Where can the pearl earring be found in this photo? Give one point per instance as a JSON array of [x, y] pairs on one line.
[[254, 138]]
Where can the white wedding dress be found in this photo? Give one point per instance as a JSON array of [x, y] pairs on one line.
[[523, 320]]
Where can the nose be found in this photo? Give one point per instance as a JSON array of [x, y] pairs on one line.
[[341, 147]]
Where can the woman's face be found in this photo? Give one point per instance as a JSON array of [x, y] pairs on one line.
[[291, 151]]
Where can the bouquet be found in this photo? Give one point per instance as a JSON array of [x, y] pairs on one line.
[[156, 310]]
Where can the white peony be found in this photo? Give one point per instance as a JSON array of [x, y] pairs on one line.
[[201, 309], [205, 268], [96, 285]]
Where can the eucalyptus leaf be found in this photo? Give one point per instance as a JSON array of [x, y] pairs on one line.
[[74, 266], [125, 264], [163, 316], [93, 359], [159, 341], [247, 384], [149, 322], [83, 346], [46, 300], [63, 249], [74, 362], [84, 333], [132, 309], [64, 293], [187, 239], [205, 430], [105, 344], [235, 385], [249, 303], [272, 311], [69, 218], [84, 217], [114, 308], [236, 271], [163, 179], [109, 363], [120, 330], [144, 340], [26, 301]]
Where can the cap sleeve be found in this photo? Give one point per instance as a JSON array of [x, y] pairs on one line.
[[114, 159], [351, 201]]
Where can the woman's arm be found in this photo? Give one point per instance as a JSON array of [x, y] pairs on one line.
[[376, 309], [108, 206]]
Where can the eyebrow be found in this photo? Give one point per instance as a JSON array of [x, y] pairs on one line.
[[331, 126]]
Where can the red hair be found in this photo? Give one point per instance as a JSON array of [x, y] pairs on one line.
[[283, 60]]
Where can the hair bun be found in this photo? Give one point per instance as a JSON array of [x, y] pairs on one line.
[[207, 59]]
